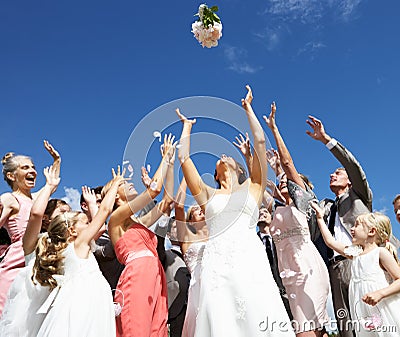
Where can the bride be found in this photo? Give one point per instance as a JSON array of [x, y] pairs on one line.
[[238, 295]]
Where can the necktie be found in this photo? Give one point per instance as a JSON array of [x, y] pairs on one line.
[[268, 249], [331, 223]]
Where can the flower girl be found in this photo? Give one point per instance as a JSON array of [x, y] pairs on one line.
[[373, 301], [80, 303]]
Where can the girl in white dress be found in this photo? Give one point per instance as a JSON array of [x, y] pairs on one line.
[[80, 303], [374, 303], [238, 295]]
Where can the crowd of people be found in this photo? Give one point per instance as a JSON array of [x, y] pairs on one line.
[[249, 258]]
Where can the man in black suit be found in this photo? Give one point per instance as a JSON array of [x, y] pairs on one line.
[[264, 220], [353, 198]]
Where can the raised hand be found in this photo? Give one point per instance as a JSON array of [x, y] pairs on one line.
[[246, 102], [243, 144], [318, 130], [274, 160], [318, 210], [118, 178], [52, 175], [270, 121], [146, 180], [168, 148], [51, 150], [88, 195], [184, 118]]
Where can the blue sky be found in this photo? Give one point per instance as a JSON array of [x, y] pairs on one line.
[[83, 74]]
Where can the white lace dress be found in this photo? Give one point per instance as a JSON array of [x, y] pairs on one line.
[[238, 295], [382, 319], [193, 257]]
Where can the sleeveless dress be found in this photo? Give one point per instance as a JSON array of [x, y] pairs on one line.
[[302, 269], [20, 318], [141, 289], [382, 319], [82, 303], [193, 257], [14, 255], [238, 295]]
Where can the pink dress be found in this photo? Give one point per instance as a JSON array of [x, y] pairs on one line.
[[141, 289], [302, 269], [14, 255]]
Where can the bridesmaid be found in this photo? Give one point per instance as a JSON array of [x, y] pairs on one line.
[[302, 268], [142, 289], [20, 174]]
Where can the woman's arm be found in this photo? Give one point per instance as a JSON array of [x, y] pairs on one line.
[[197, 187], [122, 213], [259, 167], [56, 162], [164, 206], [284, 155], [86, 236], [326, 234], [389, 264], [32, 231]]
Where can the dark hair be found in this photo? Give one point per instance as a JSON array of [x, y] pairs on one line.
[[50, 208], [241, 177], [96, 190]]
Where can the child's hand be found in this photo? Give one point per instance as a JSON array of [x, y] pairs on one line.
[[372, 298], [318, 210]]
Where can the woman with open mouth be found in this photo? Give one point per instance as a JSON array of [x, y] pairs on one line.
[[20, 174]]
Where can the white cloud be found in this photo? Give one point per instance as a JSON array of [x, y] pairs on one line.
[[383, 210], [72, 197], [347, 7], [310, 11], [271, 37], [311, 48], [236, 58]]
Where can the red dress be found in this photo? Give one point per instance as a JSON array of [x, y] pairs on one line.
[[141, 289]]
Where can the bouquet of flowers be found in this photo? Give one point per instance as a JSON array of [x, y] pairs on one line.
[[208, 28]]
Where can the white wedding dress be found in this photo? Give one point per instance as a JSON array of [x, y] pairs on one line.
[[193, 258], [238, 295]]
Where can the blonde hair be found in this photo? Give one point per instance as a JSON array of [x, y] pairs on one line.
[[50, 248], [10, 163], [383, 228]]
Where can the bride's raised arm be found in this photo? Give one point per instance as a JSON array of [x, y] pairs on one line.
[[258, 172], [197, 187]]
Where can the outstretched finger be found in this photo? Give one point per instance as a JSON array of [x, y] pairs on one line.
[[113, 172]]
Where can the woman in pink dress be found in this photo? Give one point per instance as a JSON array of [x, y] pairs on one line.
[[20, 174], [302, 269], [141, 289]]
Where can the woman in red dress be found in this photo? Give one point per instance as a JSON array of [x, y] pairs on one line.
[[142, 287]]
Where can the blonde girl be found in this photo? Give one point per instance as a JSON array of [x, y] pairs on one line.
[[373, 301]]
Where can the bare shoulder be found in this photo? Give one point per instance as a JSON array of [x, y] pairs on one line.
[[9, 201]]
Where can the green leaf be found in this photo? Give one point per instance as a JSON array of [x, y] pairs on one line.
[[214, 8]]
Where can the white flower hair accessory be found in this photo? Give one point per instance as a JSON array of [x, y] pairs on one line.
[[208, 28], [353, 250]]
